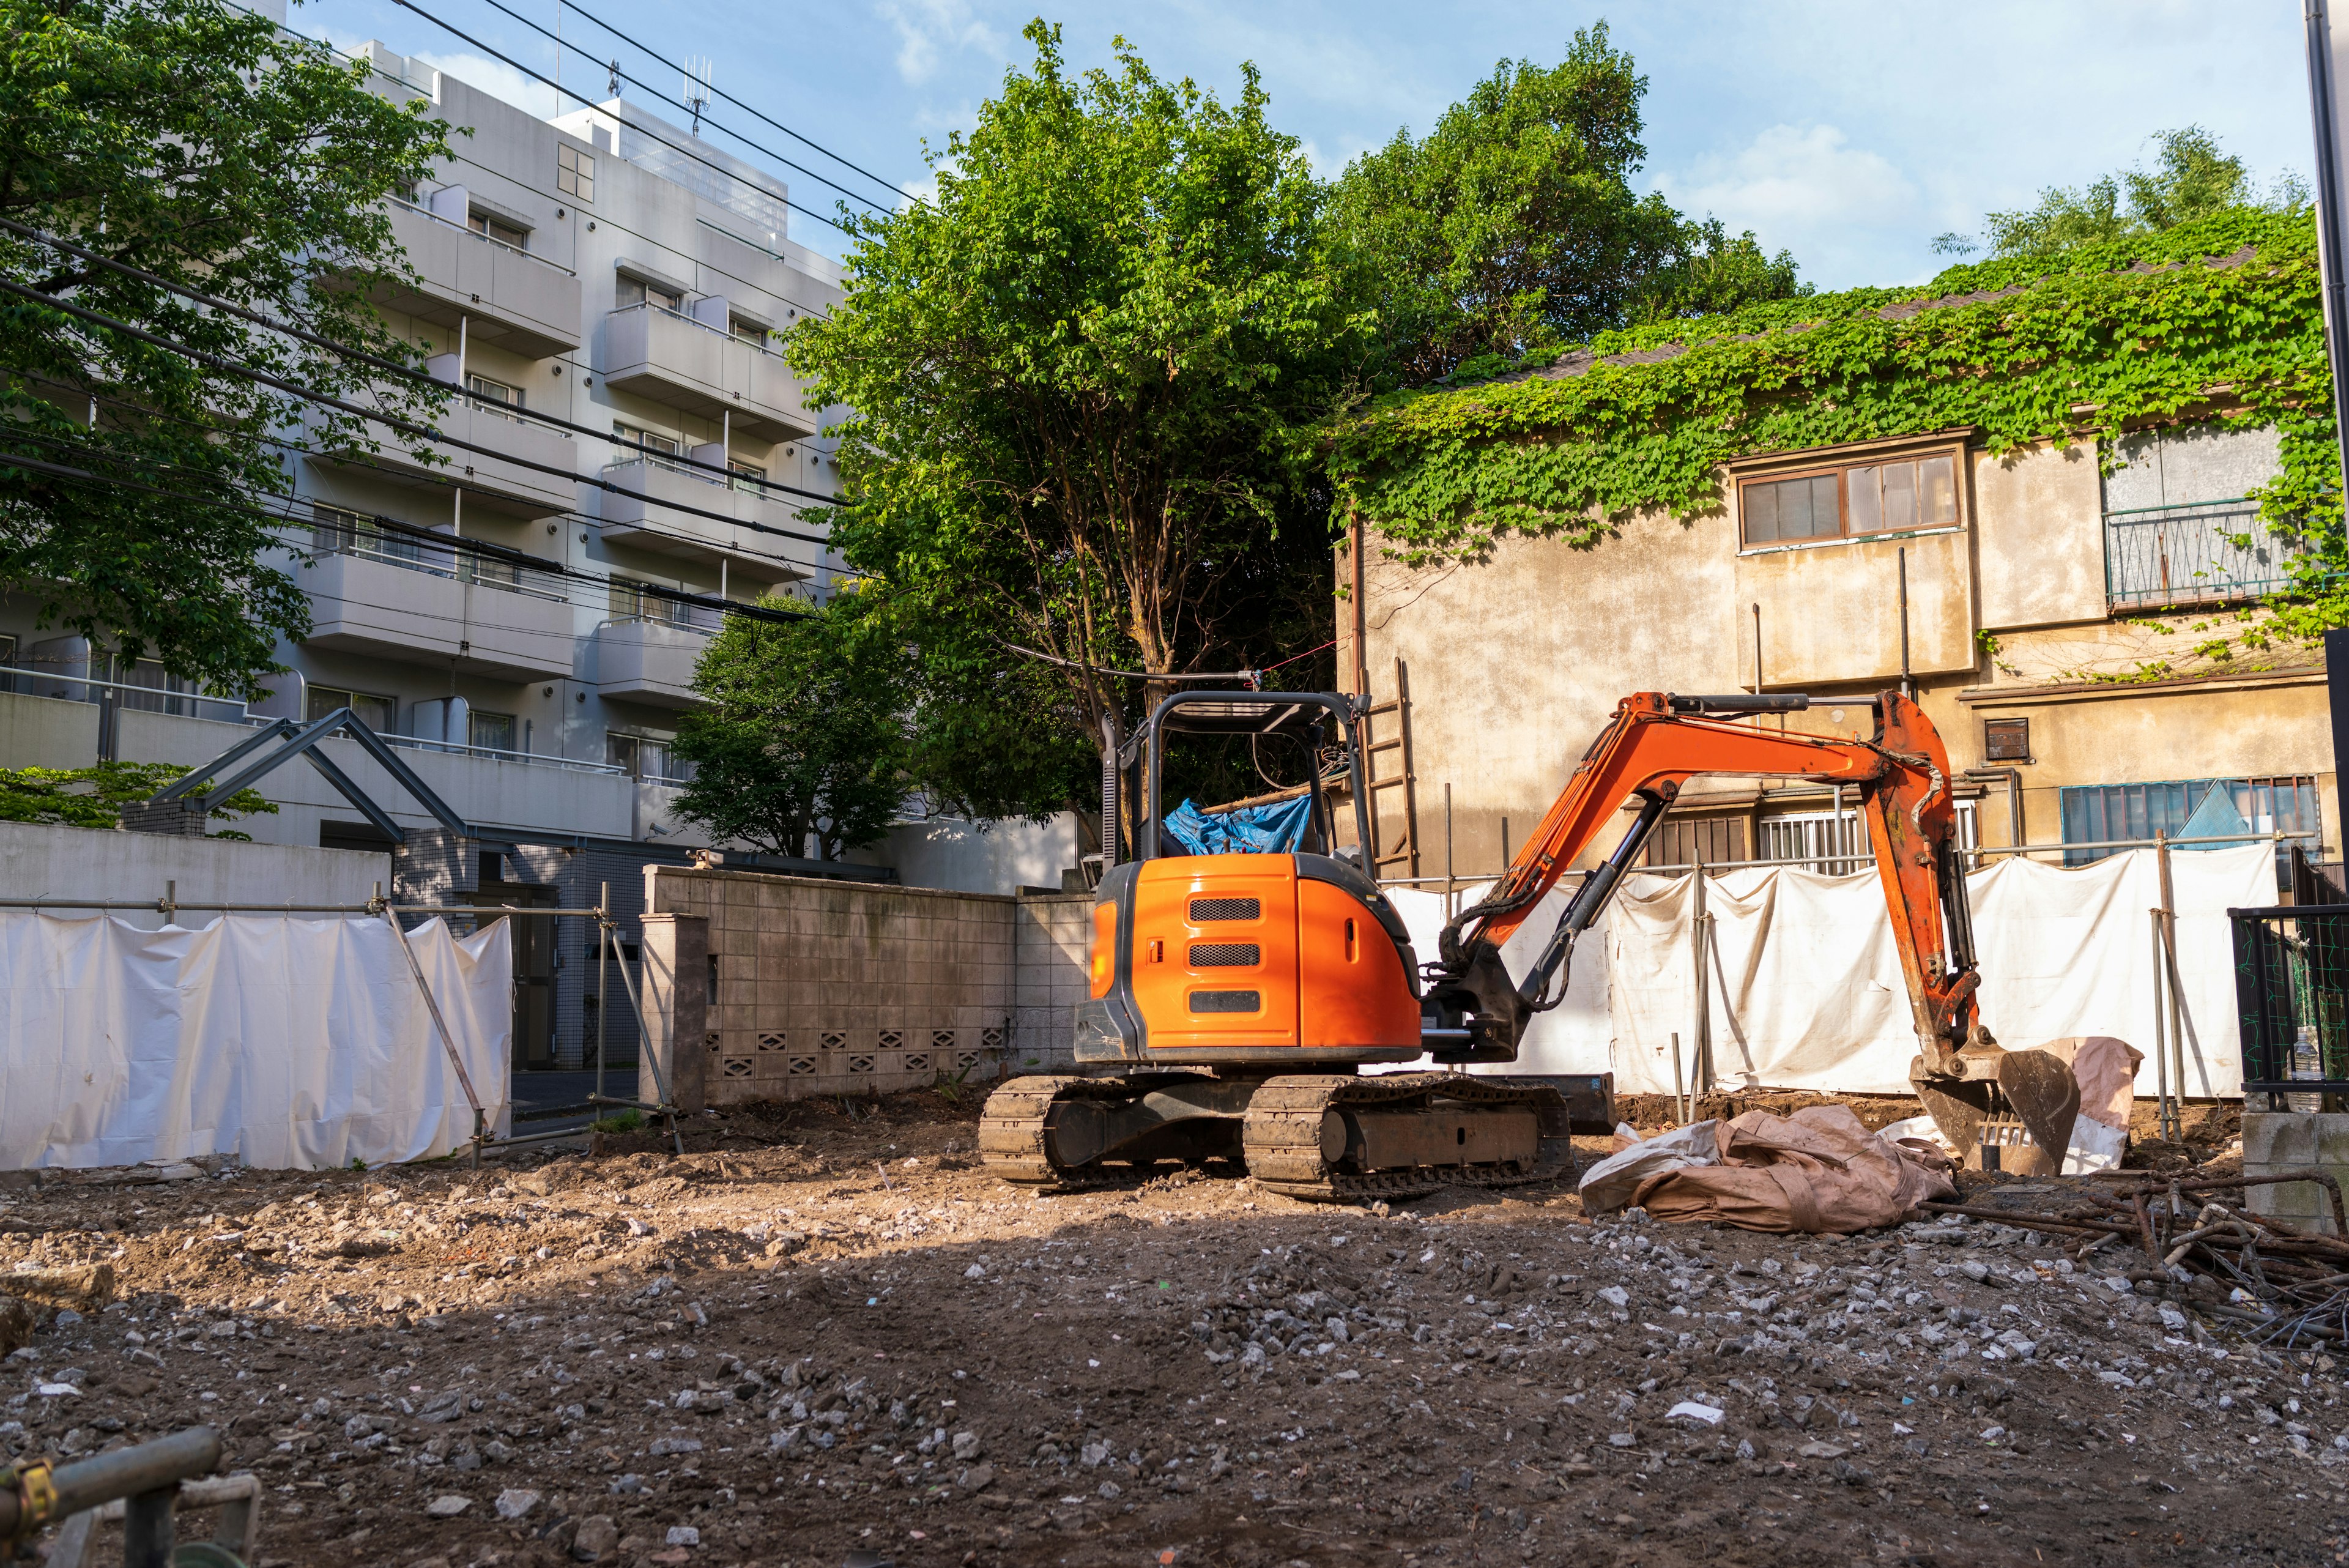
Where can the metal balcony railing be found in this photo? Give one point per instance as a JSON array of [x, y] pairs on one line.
[[2198, 553]]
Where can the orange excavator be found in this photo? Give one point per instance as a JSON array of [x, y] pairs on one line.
[[1235, 997]]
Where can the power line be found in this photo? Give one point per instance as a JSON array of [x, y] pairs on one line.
[[562, 43], [547, 81], [360, 355], [229, 367], [478, 548], [890, 185]]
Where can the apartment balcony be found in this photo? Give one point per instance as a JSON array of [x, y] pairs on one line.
[[505, 482], [390, 599], [514, 299], [646, 515], [696, 369], [2211, 553], [649, 662]]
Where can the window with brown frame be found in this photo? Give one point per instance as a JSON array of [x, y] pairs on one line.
[[1851, 502]]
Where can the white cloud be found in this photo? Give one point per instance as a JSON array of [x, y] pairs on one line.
[[928, 29], [1805, 189]]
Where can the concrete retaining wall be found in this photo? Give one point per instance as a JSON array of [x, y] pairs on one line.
[[41, 861]]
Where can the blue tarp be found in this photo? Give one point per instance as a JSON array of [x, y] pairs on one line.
[[1252, 830]]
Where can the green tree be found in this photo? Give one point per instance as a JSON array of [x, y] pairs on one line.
[[2190, 178], [96, 797], [1713, 274], [802, 749], [1513, 227], [1083, 378], [196, 141]]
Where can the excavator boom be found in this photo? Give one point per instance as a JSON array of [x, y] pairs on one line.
[[1656, 742], [1654, 746]]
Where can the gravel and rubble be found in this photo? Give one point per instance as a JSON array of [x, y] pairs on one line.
[[820, 1333]]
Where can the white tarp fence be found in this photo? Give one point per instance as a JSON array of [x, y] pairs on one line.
[[1806, 989], [289, 1043]]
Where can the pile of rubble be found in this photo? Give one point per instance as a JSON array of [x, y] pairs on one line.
[[850, 1338]]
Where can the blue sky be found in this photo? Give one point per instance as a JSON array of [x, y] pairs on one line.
[[1849, 133]]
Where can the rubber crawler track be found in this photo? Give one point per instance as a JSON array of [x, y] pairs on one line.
[[1282, 1132]]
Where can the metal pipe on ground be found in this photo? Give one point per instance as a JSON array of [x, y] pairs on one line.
[[39, 1495]]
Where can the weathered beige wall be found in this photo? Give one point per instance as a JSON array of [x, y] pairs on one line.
[[828, 988], [2039, 536], [1831, 612], [1517, 662]]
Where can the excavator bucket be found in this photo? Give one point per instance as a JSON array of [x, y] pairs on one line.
[[1996, 1098]]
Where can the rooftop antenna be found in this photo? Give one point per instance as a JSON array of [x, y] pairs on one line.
[[697, 89]]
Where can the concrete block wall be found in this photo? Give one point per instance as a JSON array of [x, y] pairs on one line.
[[823, 987], [2275, 1142], [1053, 937]]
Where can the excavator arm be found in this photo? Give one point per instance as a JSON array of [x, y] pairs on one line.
[[1654, 746]]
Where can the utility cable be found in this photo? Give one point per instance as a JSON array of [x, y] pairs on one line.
[[655, 92], [229, 367], [478, 548], [889, 185], [548, 81], [427, 476], [362, 355]]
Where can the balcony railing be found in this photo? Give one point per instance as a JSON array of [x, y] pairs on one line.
[[2201, 553], [424, 211], [452, 559], [727, 333]]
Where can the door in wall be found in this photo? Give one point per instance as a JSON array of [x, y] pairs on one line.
[[534, 969]]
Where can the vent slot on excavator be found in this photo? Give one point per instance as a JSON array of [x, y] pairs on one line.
[[1226, 909]]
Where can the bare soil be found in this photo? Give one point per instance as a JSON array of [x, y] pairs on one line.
[[820, 1333]]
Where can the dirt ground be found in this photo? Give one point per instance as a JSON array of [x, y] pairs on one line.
[[821, 1334]]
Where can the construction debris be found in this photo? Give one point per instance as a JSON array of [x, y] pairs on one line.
[[2293, 1288], [1814, 1171], [766, 1346]]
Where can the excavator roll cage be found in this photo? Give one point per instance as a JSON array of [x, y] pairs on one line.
[[1656, 742]]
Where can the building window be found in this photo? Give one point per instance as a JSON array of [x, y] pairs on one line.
[[495, 397], [750, 470], [378, 713], [489, 732], [505, 233], [1853, 500], [1686, 840], [636, 291], [334, 531], [2188, 808], [2006, 740], [749, 331], [575, 173], [637, 601], [642, 757], [648, 446]]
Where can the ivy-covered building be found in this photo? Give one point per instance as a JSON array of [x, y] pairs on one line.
[[2090, 506]]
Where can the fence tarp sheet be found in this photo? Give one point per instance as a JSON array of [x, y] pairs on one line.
[[292, 1043], [1806, 989]]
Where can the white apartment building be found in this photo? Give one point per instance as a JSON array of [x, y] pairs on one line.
[[526, 628]]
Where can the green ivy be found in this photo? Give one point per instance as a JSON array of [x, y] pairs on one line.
[[2215, 321]]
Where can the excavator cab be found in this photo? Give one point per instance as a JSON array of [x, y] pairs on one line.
[[1219, 941]]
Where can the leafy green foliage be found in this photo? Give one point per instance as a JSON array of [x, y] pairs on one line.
[[1084, 380], [96, 797], [2191, 178], [802, 749], [193, 139], [2085, 346], [1513, 228]]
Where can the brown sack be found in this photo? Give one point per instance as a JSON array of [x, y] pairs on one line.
[[2106, 1069], [1817, 1170]]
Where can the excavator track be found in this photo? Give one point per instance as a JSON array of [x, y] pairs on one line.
[[1288, 1134], [1012, 1129], [1292, 1142]]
